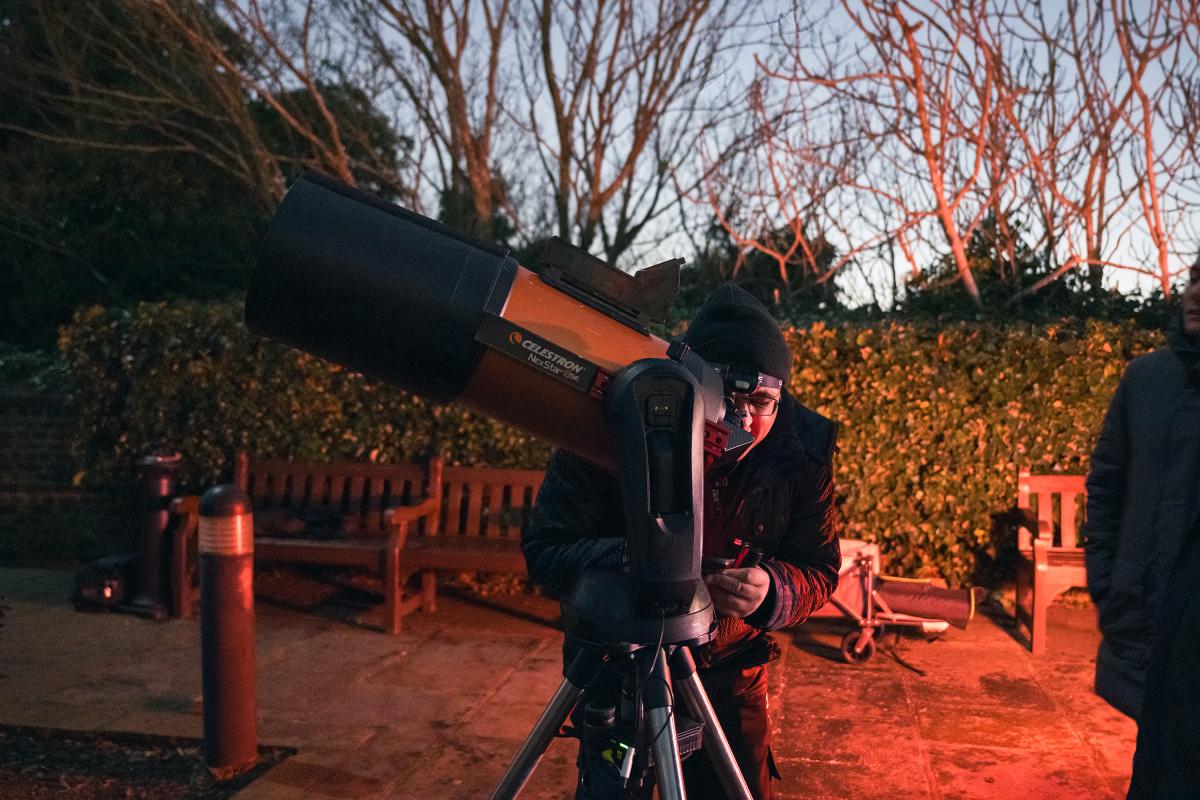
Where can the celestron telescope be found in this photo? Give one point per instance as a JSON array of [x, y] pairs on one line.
[[566, 354]]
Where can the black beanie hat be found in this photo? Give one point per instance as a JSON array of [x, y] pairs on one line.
[[732, 327]]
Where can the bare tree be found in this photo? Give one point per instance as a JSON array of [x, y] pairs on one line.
[[591, 143], [205, 78], [772, 191], [1047, 119], [442, 66], [1160, 69], [918, 92], [617, 94], [1098, 108], [1071, 132], [565, 116]]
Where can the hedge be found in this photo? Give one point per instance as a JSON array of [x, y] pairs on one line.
[[189, 376], [935, 419], [937, 422]]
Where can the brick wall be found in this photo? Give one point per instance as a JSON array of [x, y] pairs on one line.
[[42, 516], [34, 429]]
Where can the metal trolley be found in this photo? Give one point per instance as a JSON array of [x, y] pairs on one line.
[[877, 614]]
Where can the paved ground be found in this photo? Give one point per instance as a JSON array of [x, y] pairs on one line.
[[438, 711]]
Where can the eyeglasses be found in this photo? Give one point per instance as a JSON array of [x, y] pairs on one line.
[[755, 405]]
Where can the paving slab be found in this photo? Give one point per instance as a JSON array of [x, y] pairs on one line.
[[991, 773], [440, 710], [887, 777], [831, 692], [305, 776], [986, 727], [1107, 733]]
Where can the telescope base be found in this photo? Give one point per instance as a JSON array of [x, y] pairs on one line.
[[609, 606]]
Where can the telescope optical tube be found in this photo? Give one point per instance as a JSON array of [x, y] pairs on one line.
[[374, 287]]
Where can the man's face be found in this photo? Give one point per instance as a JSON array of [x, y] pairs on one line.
[[759, 411], [1191, 301]]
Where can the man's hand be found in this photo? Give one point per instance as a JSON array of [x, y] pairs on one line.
[[738, 592]]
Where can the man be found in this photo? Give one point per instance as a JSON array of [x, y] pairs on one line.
[[779, 495], [1142, 511]]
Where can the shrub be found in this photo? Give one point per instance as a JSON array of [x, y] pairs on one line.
[[938, 419], [190, 377], [35, 368], [935, 418]]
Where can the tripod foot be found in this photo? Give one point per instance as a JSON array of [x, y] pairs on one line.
[[578, 674]]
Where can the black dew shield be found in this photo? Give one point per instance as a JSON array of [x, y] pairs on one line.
[[371, 286]]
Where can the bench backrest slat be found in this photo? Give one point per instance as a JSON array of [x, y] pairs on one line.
[[277, 480], [486, 501], [452, 507], [337, 490], [321, 486], [1045, 508], [1066, 533], [360, 492], [373, 503], [492, 495], [474, 493], [1059, 501], [354, 498]]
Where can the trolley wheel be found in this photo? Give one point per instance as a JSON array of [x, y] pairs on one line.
[[850, 642]]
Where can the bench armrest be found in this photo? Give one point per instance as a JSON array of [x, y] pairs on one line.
[[399, 518], [1026, 524], [187, 509]]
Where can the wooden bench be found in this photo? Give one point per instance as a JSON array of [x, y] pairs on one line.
[[394, 519], [477, 526], [337, 514], [1051, 558]]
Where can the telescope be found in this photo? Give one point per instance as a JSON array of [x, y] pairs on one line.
[[564, 352]]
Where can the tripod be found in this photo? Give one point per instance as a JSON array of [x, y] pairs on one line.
[[669, 667]]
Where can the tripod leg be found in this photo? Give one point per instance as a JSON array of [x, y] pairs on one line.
[[580, 672], [668, 769], [687, 682]]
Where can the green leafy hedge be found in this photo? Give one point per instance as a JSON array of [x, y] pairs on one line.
[[936, 418], [189, 376], [937, 421]]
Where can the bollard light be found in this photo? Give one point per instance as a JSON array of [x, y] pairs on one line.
[[156, 485], [226, 549]]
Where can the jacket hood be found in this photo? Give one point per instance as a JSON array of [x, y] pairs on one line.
[[797, 433], [785, 433]]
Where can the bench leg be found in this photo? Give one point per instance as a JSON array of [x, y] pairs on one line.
[[429, 591], [1022, 599], [393, 589], [181, 576], [1041, 601]]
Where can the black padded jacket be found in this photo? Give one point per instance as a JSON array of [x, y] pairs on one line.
[[784, 495]]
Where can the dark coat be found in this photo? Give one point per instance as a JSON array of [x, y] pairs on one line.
[[1167, 762], [1141, 504], [787, 507]]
